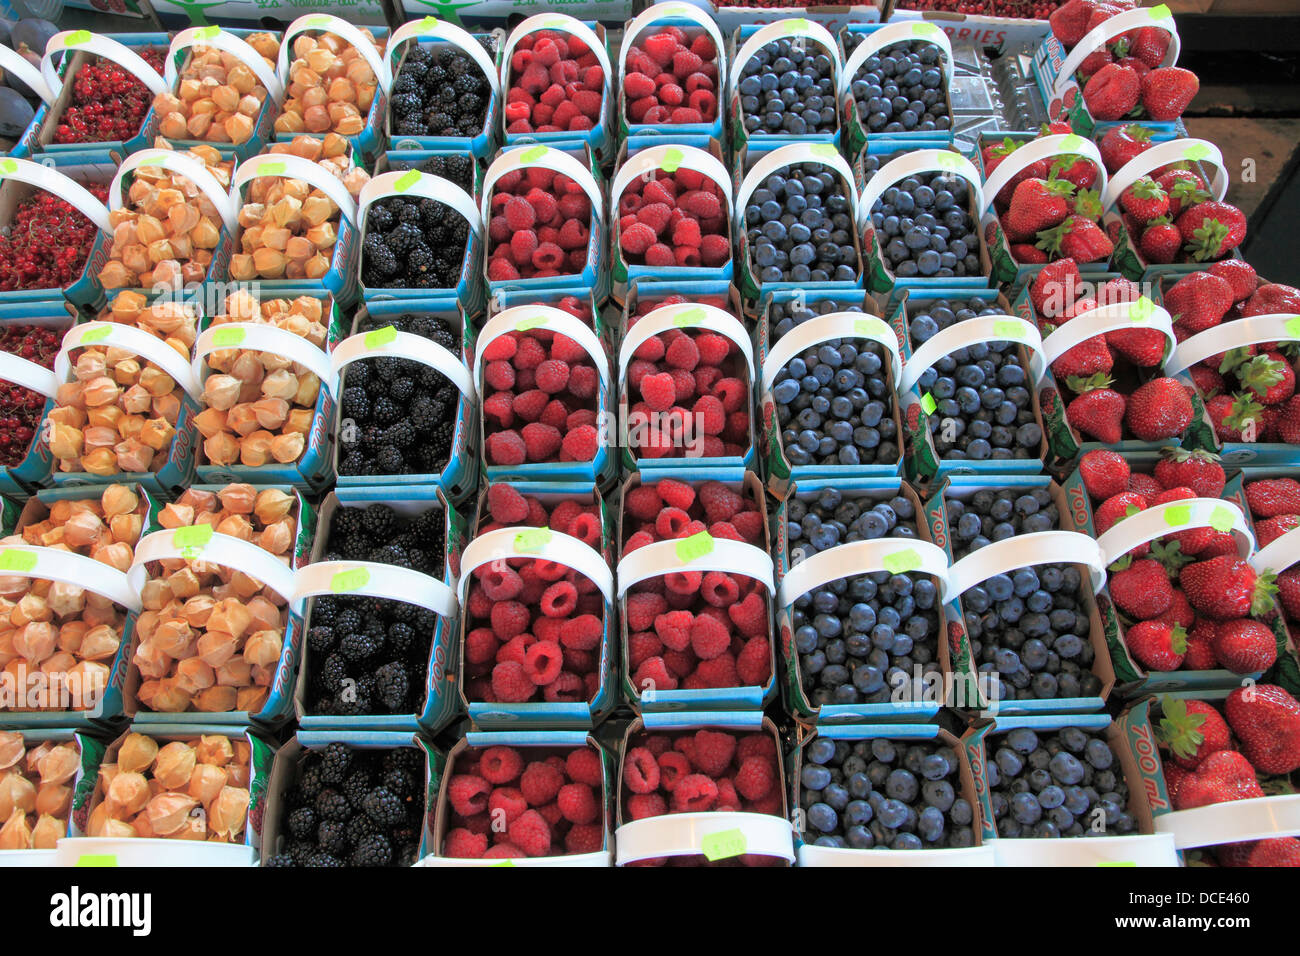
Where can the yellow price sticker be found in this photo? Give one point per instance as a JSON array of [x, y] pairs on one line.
[[407, 180], [824, 150], [353, 579], [1071, 142], [1178, 515], [207, 33], [532, 540], [530, 323], [381, 337], [1142, 309], [1007, 329], [795, 25], [152, 161], [429, 23], [76, 37], [695, 546], [274, 168], [227, 338], [723, 845], [8, 166], [672, 159], [1196, 152], [533, 154], [901, 562], [1160, 12], [97, 334], [928, 403], [924, 29], [319, 20], [97, 859], [1293, 325], [192, 539], [1221, 519], [689, 318], [17, 561]]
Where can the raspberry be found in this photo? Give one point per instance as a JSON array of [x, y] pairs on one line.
[[583, 766], [559, 600], [519, 214], [709, 637], [713, 752], [568, 689], [694, 793], [642, 805], [713, 348], [674, 629], [578, 803], [531, 833], [686, 62], [540, 783], [700, 204], [719, 589], [754, 662], [508, 619], [682, 115], [720, 502], [515, 648], [719, 671], [636, 239], [510, 684], [673, 767], [714, 250], [574, 235], [552, 376], [660, 255], [502, 584], [755, 745], [640, 771], [581, 444], [468, 794], [662, 47], [659, 190], [755, 778], [543, 662], [480, 646], [501, 348], [638, 85], [750, 615], [584, 838], [522, 246], [655, 215], [653, 674], [687, 233], [502, 270], [500, 764], [541, 442], [528, 405], [685, 583], [461, 844], [586, 527], [709, 415], [641, 647], [582, 633], [506, 802], [506, 504], [506, 448], [671, 522], [549, 257], [682, 353], [658, 391]]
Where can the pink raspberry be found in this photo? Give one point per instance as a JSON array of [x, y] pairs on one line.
[[660, 190], [559, 600], [658, 391], [673, 767], [653, 674], [674, 629], [578, 803], [750, 615], [636, 239], [662, 47], [540, 782], [687, 233], [581, 633], [529, 405], [519, 214], [506, 504], [541, 442], [755, 778], [468, 794], [643, 805], [709, 637], [543, 662], [580, 444], [660, 255], [714, 250], [682, 353], [584, 838], [531, 833], [709, 415], [682, 115], [549, 257], [713, 752], [640, 771], [461, 844], [502, 270], [638, 85], [583, 766], [510, 683], [509, 619], [480, 645], [506, 802], [686, 62], [694, 793], [574, 235], [552, 376], [754, 662], [500, 764], [718, 671], [506, 448], [655, 215]]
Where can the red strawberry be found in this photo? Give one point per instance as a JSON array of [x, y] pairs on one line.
[[1145, 348], [1288, 421], [1266, 718], [1212, 229], [1150, 46], [1112, 92], [1160, 242], [1239, 274], [1156, 645], [1198, 301], [1144, 485], [1269, 376], [1037, 204], [1271, 299], [1098, 410], [1192, 730], [1080, 171], [1167, 91], [1079, 238], [1094, 61], [1222, 776], [1090, 357], [1200, 646], [1225, 588], [1244, 646], [1069, 21], [1235, 417], [1270, 497], [1055, 288], [1142, 590], [1145, 200], [1025, 254], [1185, 189], [1124, 504], [1208, 381], [1276, 851], [1198, 470], [1122, 143], [1104, 473], [1288, 591], [1270, 529], [1158, 410]]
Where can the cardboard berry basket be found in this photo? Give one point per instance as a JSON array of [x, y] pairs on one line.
[[436, 35], [30, 76], [921, 457], [1006, 269], [719, 836], [1144, 847], [286, 770], [510, 298], [90, 751], [537, 745], [759, 161], [459, 475], [403, 160], [699, 552], [369, 142], [746, 41], [641, 157], [252, 750], [33, 469], [798, 573], [527, 318], [808, 851], [1054, 70], [521, 544], [602, 137], [385, 581], [880, 278], [74, 50], [90, 701], [694, 21], [731, 17], [201, 543], [875, 38], [66, 177], [312, 471], [172, 468], [1059, 545], [836, 325], [576, 163], [980, 30]]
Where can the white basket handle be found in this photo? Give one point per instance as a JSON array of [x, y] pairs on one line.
[[984, 328], [548, 158], [698, 552], [220, 39], [1251, 330], [524, 318], [651, 15], [1120, 23], [895, 555], [782, 156], [1025, 550], [431, 28], [564, 24], [67, 567], [1172, 517], [543, 544], [1237, 821], [825, 856], [183, 165], [337, 26], [57, 184], [919, 161], [388, 342], [11, 62], [136, 341], [684, 315], [1162, 154], [264, 338], [1279, 554], [372, 579], [412, 182], [1141, 313], [718, 835], [1131, 850], [295, 167], [669, 158], [201, 543], [28, 374], [69, 40], [833, 325], [1045, 147], [897, 32], [780, 30]]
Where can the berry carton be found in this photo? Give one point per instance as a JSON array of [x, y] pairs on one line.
[[893, 677], [380, 332], [807, 323], [554, 669], [456, 166], [306, 748], [979, 29], [990, 530], [435, 36], [702, 789], [945, 831], [1113, 829], [506, 795], [33, 467], [91, 841], [671, 211], [333, 579], [30, 77], [833, 17], [79, 786]]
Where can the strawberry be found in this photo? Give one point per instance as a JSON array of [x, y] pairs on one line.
[[1244, 646], [1142, 590], [1112, 92], [1145, 200], [1288, 421], [1134, 64], [1156, 645], [1270, 497], [1085, 203], [1185, 189], [1266, 719], [1055, 287], [1069, 21], [1122, 143], [1198, 301], [1026, 254], [1288, 591], [1090, 357], [1144, 485], [1104, 473], [1180, 612], [1075, 169], [1212, 229], [1116, 508], [1271, 299], [1208, 382], [1194, 540], [1270, 529], [1276, 851], [1222, 776], [1037, 204], [1234, 417], [1077, 237], [1094, 61], [1239, 274], [1158, 410], [1150, 46], [1225, 588], [1098, 410], [1269, 376], [1200, 654], [1145, 348], [1166, 91], [1160, 242], [1192, 730], [1198, 470]]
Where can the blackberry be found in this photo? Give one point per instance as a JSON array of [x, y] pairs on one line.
[[419, 260], [310, 783], [401, 638], [281, 860], [404, 236], [332, 837], [359, 827], [332, 805], [390, 462], [467, 83], [408, 854], [356, 403], [392, 686], [302, 823], [336, 759], [400, 782], [400, 434], [349, 619], [406, 82], [384, 807], [379, 219], [406, 102], [323, 611], [301, 852], [373, 850], [380, 521], [320, 640], [356, 787], [325, 860], [333, 672], [403, 758], [357, 647]]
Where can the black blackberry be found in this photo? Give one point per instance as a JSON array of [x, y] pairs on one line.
[[403, 758], [325, 860], [404, 235], [357, 647], [379, 219], [349, 618], [384, 807], [406, 102], [332, 805], [356, 403], [400, 434], [393, 687], [333, 672], [356, 787], [310, 783], [401, 638], [408, 854], [391, 554], [359, 827], [374, 850], [332, 837], [336, 760], [281, 860], [301, 852], [323, 611], [406, 82], [468, 83], [401, 388], [320, 640], [400, 782], [380, 521], [302, 823], [390, 462]]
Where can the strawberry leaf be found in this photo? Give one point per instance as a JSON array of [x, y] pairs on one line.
[[1179, 730]]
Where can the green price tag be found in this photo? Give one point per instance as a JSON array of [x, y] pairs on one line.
[[672, 159], [1071, 142], [927, 403], [530, 323], [533, 154], [23, 561], [696, 546], [1221, 519], [1159, 12], [865, 327], [1142, 309], [407, 180], [723, 845], [320, 20], [273, 168], [901, 562], [923, 29], [351, 580], [825, 150], [1293, 325], [207, 33], [795, 25], [8, 166], [1007, 329], [192, 539], [506, 862], [381, 337], [428, 23], [532, 540], [97, 334], [1116, 863], [1178, 515], [689, 318], [555, 23], [152, 161], [76, 37], [226, 338], [1196, 152], [947, 161], [97, 859]]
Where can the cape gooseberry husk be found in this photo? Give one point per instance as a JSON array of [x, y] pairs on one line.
[[215, 749], [175, 765], [16, 793], [136, 754], [227, 813], [59, 765], [168, 812], [47, 832], [11, 748], [16, 834], [127, 794]]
